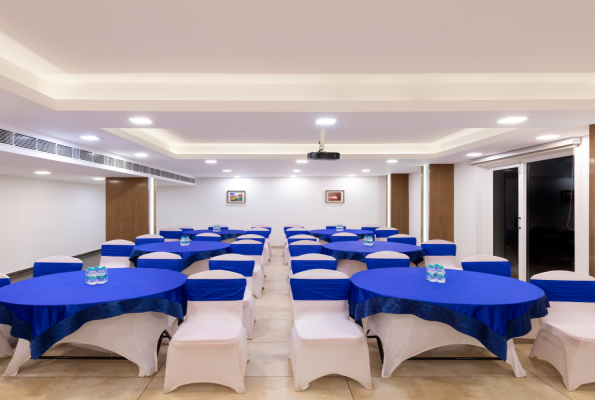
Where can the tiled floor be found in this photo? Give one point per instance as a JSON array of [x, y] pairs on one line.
[[269, 374]]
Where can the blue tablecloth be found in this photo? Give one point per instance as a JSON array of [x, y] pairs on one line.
[[357, 251], [196, 251], [225, 234], [490, 308], [325, 234], [45, 310]]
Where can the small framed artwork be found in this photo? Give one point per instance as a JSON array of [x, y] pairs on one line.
[[335, 196], [236, 196]]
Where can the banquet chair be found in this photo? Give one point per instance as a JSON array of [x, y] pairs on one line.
[[344, 237], [266, 255], [148, 238], [441, 252], [207, 237], [306, 262], [387, 259], [116, 253], [55, 265], [211, 346], [171, 234], [488, 265], [370, 227], [185, 228], [402, 238], [266, 232], [302, 247], [253, 249], [5, 349], [263, 226], [291, 227], [161, 260], [382, 234], [295, 238], [323, 340], [567, 335], [244, 266]]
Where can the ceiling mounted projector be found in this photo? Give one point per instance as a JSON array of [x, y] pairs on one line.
[[321, 154]]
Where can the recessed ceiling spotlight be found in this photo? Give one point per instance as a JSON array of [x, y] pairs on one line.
[[301, 161], [141, 154], [140, 121], [473, 154], [90, 137], [547, 137], [350, 175], [42, 172], [293, 176], [297, 170], [98, 179], [211, 161], [391, 161], [365, 170], [325, 121], [227, 170], [512, 120]]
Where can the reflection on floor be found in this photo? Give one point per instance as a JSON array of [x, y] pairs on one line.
[[269, 374]]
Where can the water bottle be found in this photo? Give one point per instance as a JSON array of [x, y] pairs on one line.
[[368, 241], [90, 276], [217, 228], [105, 273], [429, 273], [440, 274], [101, 275], [186, 240], [433, 272]]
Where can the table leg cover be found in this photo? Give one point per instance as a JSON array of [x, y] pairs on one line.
[[5, 349]]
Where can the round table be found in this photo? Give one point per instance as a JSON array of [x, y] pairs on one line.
[[126, 315], [325, 234], [399, 304], [356, 250], [195, 251], [225, 233]]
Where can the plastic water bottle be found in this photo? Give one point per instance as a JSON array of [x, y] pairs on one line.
[[433, 276], [90, 276], [216, 228], [368, 241], [428, 273], [101, 274], [105, 273], [440, 274]]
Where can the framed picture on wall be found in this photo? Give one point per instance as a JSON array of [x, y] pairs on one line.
[[335, 196], [236, 196]]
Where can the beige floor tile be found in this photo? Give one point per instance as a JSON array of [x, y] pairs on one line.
[[455, 388], [72, 388], [274, 294], [271, 310], [584, 392], [265, 388], [269, 359], [271, 331]]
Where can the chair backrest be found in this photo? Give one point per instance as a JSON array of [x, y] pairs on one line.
[[439, 247], [259, 231], [247, 247], [207, 237], [258, 238], [344, 237], [185, 228], [4, 280], [387, 259], [115, 253], [302, 247], [487, 264], [320, 294], [370, 227], [295, 231], [385, 232], [263, 226], [148, 238], [334, 226], [223, 227], [285, 228], [238, 263], [297, 238], [402, 238], [55, 265], [215, 296], [160, 260], [307, 262], [171, 233]]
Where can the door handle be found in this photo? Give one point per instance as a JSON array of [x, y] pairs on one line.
[[517, 223]]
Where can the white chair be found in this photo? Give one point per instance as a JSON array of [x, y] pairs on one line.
[[244, 266], [55, 265], [160, 260], [307, 262], [402, 238], [567, 335], [289, 232], [207, 237], [185, 228], [295, 238], [440, 252], [302, 247], [383, 233], [116, 253], [266, 232], [148, 238], [323, 340], [253, 249], [285, 228], [171, 234], [370, 227], [488, 265], [344, 237], [266, 255], [387, 259], [211, 345], [5, 349]]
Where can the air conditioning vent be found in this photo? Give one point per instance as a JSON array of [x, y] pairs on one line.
[[129, 165], [146, 170], [98, 158], [119, 163], [26, 142], [110, 161], [6, 137], [46, 147], [135, 167], [76, 153], [64, 151], [86, 155]]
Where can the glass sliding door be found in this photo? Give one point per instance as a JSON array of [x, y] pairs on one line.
[[505, 192]]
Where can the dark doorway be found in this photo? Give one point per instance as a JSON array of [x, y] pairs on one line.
[[506, 217]]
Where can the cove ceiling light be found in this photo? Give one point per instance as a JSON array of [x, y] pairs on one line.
[[227, 170], [42, 172], [512, 120], [297, 170], [473, 154], [140, 121], [547, 137], [325, 121], [141, 154], [391, 161], [90, 137], [98, 179], [211, 161], [301, 161], [365, 170]]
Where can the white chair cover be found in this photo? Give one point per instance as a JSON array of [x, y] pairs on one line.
[[266, 253], [313, 257], [402, 238], [5, 349], [185, 227], [344, 237], [323, 340], [211, 345], [148, 238], [295, 238], [206, 236], [567, 335], [291, 227], [258, 276], [387, 259], [116, 262], [267, 242], [171, 234], [55, 265], [383, 233], [448, 262]]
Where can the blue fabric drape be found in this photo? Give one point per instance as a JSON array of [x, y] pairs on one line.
[[298, 232], [571, 291], [112, 250], [225, 234], [223, 228], [207, 238], [370, 228], [358, 251], [440, 249], [298, 249], [186, 229], [406, 240], [291, 240], [245, 268], [171, 264], [140, 241], [374, 263], [320, 289], [298, 266], [4, 282], [195, 251], [47, 309], [43, 268], [500, 268], [384, 233], [334, 227], [247, 249], [325, 234], [265, 233], [215, 289], [336, 238], [171, 234]]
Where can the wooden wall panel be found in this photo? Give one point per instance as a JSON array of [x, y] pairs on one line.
[[441, 201], [592, 200], [127, 208], [399, 207]]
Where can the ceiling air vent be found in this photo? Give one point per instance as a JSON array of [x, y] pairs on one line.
[[136, 167], [86, 155], [98, 158], [46, 147], [119, 163], [76, 153], [110, 161], [64, 151], [26, 142], [128, 165], [6, 136]]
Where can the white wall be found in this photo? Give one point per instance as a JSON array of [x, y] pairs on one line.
[[273, 201], [415, 205], [42, 218]]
